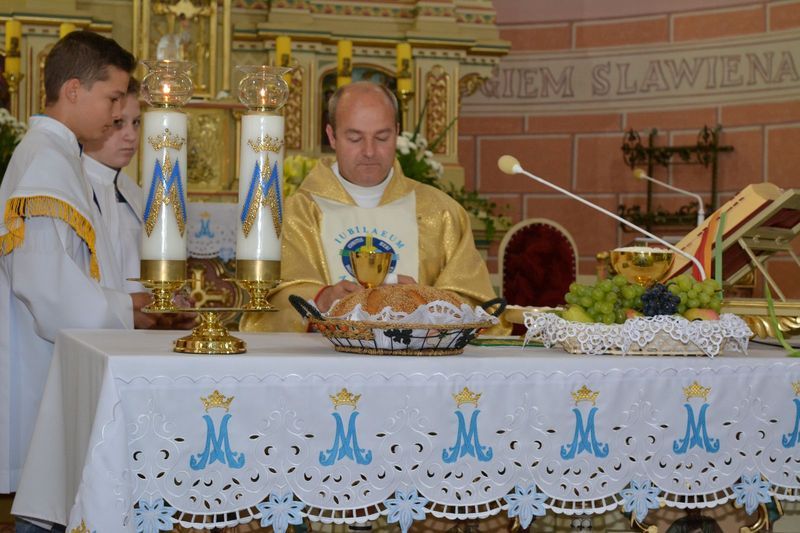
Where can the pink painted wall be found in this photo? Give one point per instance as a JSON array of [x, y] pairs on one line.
[[581, 150]]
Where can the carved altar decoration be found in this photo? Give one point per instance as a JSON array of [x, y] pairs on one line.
[[436, 122], [187, 30], [453, 46]]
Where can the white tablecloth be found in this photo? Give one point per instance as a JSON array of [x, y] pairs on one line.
[[133, 437]]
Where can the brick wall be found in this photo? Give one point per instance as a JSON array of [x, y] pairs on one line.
[[580, 150]]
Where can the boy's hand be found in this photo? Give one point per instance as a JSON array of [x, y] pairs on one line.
[[142, 320]]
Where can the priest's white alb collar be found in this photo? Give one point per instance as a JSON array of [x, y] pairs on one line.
[[364, 196]]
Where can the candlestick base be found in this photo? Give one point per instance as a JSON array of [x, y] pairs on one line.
[[162, 292], [210, 336], [257, 277]]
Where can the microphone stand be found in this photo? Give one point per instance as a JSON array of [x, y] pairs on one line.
[[510, 165]]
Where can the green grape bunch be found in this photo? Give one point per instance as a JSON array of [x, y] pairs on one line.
[[608, 301], [614, 300], [695, 294]]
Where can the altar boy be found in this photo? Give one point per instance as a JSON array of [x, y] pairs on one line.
[[57, 267]]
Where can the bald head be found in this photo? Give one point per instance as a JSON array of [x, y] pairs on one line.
[[363, 131], [357, 90]]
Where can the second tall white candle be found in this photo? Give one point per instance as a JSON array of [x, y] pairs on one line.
[[260, 187]]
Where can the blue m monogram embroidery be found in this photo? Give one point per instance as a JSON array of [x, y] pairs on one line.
[[696, 433], [345, 444], [205, 229], [218, 447], [790, 439], [467, 441], [585, 438]]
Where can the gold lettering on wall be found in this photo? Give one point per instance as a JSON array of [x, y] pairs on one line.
[[753, 68]]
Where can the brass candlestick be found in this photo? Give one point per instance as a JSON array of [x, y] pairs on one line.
[[13, 79], [257, 277], [163, 278]]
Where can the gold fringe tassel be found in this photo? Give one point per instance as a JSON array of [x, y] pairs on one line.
[[17, 209]]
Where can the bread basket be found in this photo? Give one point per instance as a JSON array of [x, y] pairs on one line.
[[396, 338]]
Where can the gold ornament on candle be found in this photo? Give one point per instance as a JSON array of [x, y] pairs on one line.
[[65, 29], [344, 63]]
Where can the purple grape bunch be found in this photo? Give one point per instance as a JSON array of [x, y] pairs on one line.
[[659, 300]]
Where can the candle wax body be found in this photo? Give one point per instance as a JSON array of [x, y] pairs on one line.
[[166, 241], [262, 241]]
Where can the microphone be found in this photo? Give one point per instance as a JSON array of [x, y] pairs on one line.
[[640, 174], [510, 165]]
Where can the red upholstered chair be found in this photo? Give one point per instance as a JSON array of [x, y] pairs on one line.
[[537, 262]]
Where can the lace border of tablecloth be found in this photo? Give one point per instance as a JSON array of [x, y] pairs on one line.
[[658, 335]]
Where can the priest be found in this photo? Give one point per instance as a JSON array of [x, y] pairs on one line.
[[364, 198]]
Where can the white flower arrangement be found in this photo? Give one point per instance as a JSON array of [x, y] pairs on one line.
[[11, 132]]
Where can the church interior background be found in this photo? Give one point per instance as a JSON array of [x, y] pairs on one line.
[[561, 85]]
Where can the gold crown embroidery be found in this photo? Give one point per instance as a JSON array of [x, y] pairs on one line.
[[344, 397], [166, 140], [266, 143], [585, 394], [216, 399], [695, 390], [796, 387], [80, 529], [466, 396]]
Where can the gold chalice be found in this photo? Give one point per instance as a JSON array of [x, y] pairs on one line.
[[370, 268], [642, 265]]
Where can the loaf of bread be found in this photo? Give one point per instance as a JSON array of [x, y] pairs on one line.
[[400, 298]]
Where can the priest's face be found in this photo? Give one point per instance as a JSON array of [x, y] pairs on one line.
[[365, 136], [117, 150]]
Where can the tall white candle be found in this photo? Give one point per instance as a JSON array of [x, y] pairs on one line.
[[260, 187], [164, 185]]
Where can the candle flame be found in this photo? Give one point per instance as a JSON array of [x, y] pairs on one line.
[[166, 88]]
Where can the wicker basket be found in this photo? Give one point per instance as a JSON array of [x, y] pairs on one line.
[[394, 338]]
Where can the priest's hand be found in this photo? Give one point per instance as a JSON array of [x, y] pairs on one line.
[[142, 320], [402, 279], [331, 293]]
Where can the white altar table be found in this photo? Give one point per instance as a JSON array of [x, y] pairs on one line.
[[134, 437]]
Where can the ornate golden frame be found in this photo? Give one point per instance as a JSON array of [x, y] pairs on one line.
[[159, 17]]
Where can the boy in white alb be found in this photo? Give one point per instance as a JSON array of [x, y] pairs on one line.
[[57, 264]]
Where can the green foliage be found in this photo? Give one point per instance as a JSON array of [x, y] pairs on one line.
[[11, 132], [416, 158]]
